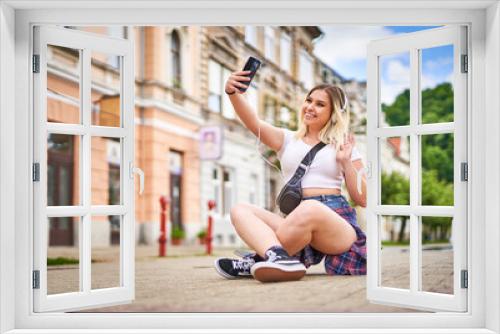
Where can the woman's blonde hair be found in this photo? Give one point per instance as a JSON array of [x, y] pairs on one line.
[[337, 127]]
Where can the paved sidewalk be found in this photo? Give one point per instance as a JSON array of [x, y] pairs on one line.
[[186, 281]]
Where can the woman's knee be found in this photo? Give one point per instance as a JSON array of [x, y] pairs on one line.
[[238, 210], [304, 214]]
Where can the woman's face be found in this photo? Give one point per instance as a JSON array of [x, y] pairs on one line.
[[316, 110]]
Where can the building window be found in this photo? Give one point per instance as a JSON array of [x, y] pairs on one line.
[[285, 116], [253, 192], [251, 35], [270, 111], [269, 51], [224, 191], [217, 100], [306, 69], [253, 97], [175, 49], [286, 52], [228, 190], [176, 170]]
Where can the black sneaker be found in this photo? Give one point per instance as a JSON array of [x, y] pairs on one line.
[[278, 267], [234, 268]]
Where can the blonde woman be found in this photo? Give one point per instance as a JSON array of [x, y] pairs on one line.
[[323, 224]]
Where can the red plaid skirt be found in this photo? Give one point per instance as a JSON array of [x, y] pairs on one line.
[[352, 262]]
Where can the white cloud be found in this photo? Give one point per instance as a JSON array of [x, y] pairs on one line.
[[436, 64], [395, 80], [342, 46]]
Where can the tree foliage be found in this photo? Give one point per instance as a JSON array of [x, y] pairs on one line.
[[437, 159]]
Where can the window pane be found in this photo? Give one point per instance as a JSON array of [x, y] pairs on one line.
[[285, 52], [253, 98], [63, 255], [251, 35], [437, 254], [395, 251], [63, 181], [437, 169], [214, 77], [269, 43], [227, 107], [306, 69], [106, 102], [437, 84], [395, 171], [63, 85], [106, 162], [105, 240], [395, 89]]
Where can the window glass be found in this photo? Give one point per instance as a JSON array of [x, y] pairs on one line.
[[63, 255], [251, 35], [227, 107], [63, 93], [395, 89], [106, 104], [306, 69], [269, 48], [214, 85], [436, 78], [285, 52], [175, 49]]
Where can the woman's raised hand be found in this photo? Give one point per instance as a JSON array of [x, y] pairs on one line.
[[344, 152], [233, 82]]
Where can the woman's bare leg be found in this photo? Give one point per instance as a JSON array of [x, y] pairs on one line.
[[256, 226], [314, 223]]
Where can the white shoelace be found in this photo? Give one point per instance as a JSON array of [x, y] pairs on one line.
[[242, 264]]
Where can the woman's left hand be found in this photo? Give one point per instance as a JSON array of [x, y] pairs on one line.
[[344, 152]]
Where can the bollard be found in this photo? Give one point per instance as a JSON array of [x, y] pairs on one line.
[[162, 240], [211, 206]]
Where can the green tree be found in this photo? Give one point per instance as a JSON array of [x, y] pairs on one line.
[[396, 191], [398, 113]]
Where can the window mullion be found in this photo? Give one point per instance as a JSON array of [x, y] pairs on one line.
[[414, 171], [86, 166]]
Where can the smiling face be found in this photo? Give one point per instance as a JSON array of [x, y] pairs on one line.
[[316, 110]]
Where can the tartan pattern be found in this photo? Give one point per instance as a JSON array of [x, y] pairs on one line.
[[352, 262]]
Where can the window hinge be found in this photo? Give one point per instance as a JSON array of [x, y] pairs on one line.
[[36, 279], [465, 65], [464, 171], [36, 63], [465, 279], [36, 172]]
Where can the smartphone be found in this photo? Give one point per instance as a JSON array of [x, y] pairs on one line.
[[253, 65]]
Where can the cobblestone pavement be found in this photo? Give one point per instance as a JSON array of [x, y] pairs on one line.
[[186, 281]]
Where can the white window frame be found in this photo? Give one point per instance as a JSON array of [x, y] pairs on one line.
[[86, 296], [378, 132], [15, 161]]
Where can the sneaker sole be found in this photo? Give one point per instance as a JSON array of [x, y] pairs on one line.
[[271, 272], [221, 272]]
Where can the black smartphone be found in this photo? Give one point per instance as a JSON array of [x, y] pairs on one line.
[[253, 65]]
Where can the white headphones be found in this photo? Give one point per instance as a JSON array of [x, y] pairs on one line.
[[344, 107]]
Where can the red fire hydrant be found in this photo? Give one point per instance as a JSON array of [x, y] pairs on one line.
[[162, 240], [211, 206]]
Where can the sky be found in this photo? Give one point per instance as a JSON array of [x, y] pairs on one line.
[[344, 49]]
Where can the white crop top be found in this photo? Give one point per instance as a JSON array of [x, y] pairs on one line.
[[323, 171]]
